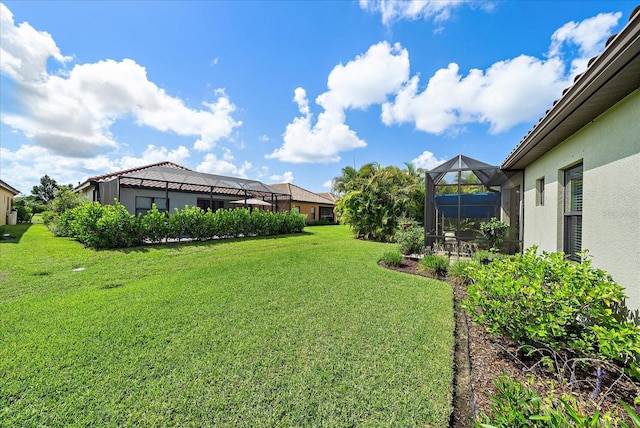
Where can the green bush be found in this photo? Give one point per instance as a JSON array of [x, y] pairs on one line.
[[516, 405], [409, 236], [434, 265], [459, 271], [494, 231], [155, 225], [548, 300], [391, 258], [111, 226]]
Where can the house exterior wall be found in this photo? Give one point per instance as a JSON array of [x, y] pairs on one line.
[[305, 209], [6, 202], [176, 199], [609, 149]]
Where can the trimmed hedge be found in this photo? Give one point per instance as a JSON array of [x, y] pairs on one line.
[[111, 226]]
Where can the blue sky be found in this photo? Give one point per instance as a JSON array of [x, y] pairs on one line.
[[281, 91]]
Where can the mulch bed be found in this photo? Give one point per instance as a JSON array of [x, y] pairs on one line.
[[480, 358]]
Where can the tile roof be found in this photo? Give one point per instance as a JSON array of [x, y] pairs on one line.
[[609, 78], [302, 195], [168, 175]]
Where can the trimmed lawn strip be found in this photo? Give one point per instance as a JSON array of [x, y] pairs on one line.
[[300, 330]]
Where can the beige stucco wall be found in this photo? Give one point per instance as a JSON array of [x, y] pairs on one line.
[[6, 202], [609, 148]]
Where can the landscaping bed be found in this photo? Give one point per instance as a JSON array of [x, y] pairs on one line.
[[481, 358]]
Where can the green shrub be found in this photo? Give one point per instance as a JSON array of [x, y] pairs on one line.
[[484, 256], [410, 237], [155, 225], [111, 226], [434, 265], [391, 258], [494, 231], [516, 405], [459, 271], [548, 300]]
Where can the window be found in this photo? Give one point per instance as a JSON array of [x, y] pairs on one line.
[[573, 211], [540, 192], [144, 203], [205, 204], [313, 213], [296, 209]]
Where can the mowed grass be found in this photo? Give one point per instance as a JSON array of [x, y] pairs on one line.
[[300, 330]]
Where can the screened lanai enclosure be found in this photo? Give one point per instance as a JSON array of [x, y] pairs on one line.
[[460, 194]]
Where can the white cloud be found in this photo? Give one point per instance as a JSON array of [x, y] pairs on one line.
[[212, 165], [366, 80], [328, 184], [507, 93], [71, 113], [153, 154], [427, 160], [589, 36], [286, 177], [395, 10], [23, 167]]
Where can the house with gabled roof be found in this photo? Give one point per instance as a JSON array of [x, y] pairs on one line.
[[307, 203], [169, 186], [7, 193], [575, 176]]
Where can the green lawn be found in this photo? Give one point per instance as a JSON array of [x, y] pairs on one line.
[[300, 330]]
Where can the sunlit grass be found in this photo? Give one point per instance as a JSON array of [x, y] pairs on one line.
[[301, 330]]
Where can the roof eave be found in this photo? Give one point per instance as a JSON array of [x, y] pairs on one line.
[[613, 75]]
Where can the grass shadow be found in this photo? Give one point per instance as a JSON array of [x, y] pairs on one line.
[[203, 243], [15, 233]]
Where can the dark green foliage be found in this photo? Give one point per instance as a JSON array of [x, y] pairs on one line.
[[494, 231], [459, 271], [550, 301], [45, 192], [409, 236], [516, 405], [156, 225], [111, 226], [434, 265], [375, 198], [392, 258]]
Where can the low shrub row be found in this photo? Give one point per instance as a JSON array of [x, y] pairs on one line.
[[111, 226], [547, 300]]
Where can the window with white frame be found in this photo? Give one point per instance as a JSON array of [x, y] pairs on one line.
[[573, 211]]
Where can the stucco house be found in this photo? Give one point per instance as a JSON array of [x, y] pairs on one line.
[[170, 186], [575, 177], [311, 205], [7, 193]]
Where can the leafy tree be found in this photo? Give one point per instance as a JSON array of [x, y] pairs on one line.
[[65, 199], [45, 192], [375, 197]]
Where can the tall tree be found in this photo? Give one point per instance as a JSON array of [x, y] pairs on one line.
[[375, 197], [46, 191]]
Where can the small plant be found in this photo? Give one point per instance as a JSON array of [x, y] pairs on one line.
[[459, 271], [494, 231], [392, 258], [434, 265], [516, 405], [409, 236]]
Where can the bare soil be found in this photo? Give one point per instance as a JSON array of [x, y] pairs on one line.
[[480, 358]]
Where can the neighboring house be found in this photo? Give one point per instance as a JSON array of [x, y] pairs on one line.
[[577, 170], [170, 186], [310, 204], [7, 193], [330, 196]]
